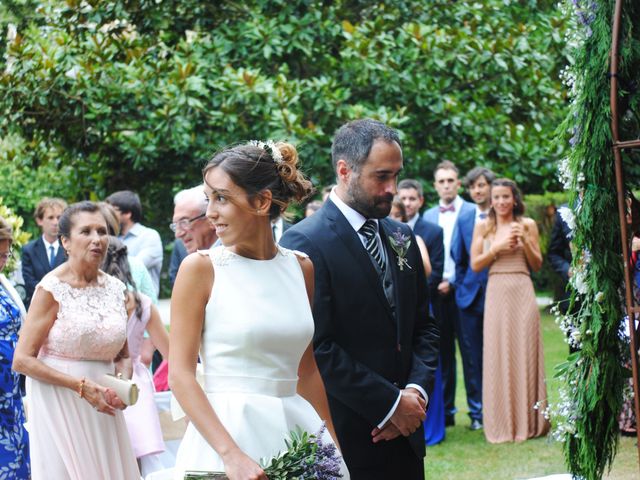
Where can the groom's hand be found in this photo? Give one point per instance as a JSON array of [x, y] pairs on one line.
[[410, 412], [388, 432]]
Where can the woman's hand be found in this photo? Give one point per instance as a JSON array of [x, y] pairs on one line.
[[98, 397], [500, 245], [238, 466], [517, 232], [114, 400]]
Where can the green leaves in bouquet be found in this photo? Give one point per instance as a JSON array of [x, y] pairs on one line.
[[300, 451], [306, 458]]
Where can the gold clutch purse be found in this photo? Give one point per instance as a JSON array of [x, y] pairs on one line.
[[126, 390]]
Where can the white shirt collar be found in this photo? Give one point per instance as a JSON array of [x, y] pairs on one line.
[[355, 219], [54, 244], [479, 212], [457, 203], [412, 221]]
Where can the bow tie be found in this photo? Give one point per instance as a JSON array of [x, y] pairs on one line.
[[450, 208], [482, 216]]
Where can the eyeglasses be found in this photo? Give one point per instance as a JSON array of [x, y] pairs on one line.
[[6, 255], [185, 223]]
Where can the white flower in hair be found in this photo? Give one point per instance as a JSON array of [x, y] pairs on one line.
[[269, 146]]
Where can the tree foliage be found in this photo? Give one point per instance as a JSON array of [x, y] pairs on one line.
[[139, 93]]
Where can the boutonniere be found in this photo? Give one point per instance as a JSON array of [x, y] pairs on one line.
[[400, 244]]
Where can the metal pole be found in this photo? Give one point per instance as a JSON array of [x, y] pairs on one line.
[[617, 152]]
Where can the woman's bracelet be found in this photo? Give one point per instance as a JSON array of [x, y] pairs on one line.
[[494, 255], [81, 387]]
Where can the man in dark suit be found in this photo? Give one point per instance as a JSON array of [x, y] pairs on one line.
[[560, 257], [375, 344], [470, 290], [445, 214], [411, 195], [278, 227], [45, 253]]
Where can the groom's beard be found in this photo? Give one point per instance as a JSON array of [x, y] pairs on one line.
[[365, 204]]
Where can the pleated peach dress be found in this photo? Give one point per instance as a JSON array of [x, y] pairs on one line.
[[513, 362]]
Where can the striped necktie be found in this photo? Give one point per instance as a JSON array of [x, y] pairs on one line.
[[369, 230]]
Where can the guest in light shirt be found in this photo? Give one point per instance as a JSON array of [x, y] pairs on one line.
[[445, 214], [142, 242]]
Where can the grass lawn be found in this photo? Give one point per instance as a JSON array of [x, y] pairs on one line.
[[465, 455]]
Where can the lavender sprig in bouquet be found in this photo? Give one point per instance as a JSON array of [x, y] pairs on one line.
[[307, 458]]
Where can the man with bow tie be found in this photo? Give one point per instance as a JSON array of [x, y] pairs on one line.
[[375, 343], [445, 214], [470, 289]]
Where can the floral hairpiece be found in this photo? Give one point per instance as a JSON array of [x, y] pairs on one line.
[[268, 146]]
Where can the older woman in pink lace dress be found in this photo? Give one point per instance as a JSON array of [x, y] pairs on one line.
[[74, 333]]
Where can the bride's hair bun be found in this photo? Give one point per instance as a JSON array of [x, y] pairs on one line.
[[299, 187], [258, 166]]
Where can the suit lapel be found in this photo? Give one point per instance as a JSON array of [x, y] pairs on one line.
[[386, 231], [341, 227], [41, 254], [60, 256]]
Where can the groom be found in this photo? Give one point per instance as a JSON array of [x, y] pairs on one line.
[[375, 344]]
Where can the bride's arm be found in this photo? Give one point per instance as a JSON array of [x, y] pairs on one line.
[[188, 301], [310, 384]]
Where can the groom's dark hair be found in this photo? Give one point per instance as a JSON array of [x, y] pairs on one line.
[[353, 141]]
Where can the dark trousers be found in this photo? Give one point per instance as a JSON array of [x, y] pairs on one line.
[[469, 333], [448, 320], [401, 463]]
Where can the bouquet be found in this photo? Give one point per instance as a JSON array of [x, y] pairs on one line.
[[306, 458]]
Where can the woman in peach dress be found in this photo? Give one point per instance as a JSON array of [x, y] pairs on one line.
[[513, 363]]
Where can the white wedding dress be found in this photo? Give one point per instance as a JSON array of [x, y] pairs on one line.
[[258, 324]]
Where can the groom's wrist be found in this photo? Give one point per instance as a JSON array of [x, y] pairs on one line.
[[420, 390]]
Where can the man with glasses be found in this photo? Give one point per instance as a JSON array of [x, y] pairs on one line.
[[192, 229]]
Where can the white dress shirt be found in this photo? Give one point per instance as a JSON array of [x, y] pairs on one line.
[[277, 228], [412, 221], [144, 243], [47, 246], [479, 212], [447, 220], [356, 220]]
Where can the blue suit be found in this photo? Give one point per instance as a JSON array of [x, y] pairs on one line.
[[432, 234], [470, 293], [446, 312]]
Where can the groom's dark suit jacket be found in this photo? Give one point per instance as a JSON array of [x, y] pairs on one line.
[[366, 351], [35, 264]]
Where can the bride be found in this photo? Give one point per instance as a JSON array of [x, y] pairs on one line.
[[244, 309]]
